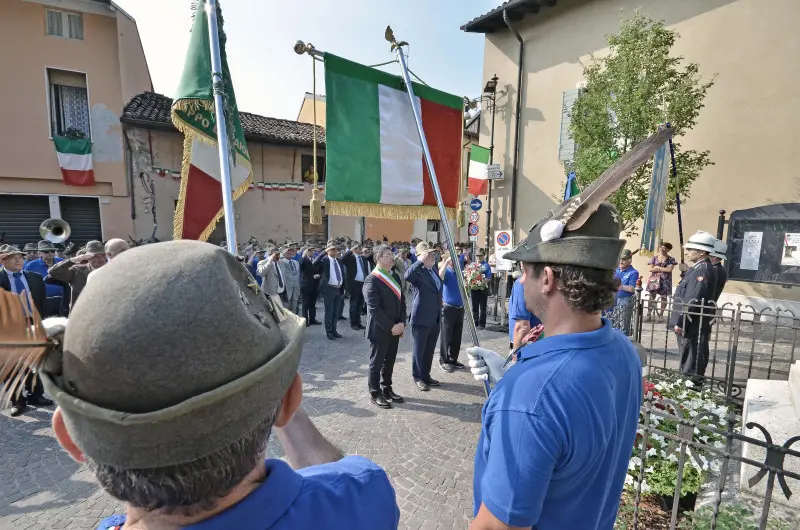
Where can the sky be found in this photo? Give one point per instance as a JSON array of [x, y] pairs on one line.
[[270, 79]]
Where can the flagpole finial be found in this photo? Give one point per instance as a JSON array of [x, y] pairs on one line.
[[389, 36]]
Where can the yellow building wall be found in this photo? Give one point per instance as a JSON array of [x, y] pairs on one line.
[[748, 123]]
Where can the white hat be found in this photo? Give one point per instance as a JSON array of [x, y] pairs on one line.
[[720, 248], [701, 241]]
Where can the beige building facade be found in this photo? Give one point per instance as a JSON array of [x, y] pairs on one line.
[[69, 64], [748, 123]]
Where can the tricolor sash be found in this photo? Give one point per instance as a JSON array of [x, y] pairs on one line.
[[388, 280]]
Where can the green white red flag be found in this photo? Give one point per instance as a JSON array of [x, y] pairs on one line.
[[478, 183], [374, 159], [75, 159], [200, 200]]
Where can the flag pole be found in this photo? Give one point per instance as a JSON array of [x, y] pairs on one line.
[[398, 47], [222, 128]]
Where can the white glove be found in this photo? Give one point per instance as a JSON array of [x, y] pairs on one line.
[[486, 364]]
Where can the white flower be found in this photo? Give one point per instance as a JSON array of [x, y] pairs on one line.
[[651, 452], [688, 383], [672, 458], [649, 469], [645, 487]]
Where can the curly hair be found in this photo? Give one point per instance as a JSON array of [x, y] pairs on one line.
[[585, 289]]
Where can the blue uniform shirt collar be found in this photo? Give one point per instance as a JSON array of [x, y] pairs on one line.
[[265, 505], [570, 341]]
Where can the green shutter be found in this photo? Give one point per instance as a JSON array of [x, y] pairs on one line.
[[566, 145]]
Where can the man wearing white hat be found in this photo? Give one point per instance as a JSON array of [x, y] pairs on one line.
[[693, 306], [720, 248]]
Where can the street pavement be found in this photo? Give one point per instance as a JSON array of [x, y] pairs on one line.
[[426, 444]]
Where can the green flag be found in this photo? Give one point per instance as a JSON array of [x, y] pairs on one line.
[[200, 201]]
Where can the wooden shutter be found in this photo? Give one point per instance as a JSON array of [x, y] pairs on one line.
[[566, 145]]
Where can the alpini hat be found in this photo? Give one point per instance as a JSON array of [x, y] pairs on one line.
[[95, 247], [45, 246], [423, 248], [30, 247], [142, 382], [584, 230]]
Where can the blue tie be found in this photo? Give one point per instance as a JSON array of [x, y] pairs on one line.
[[436, 279], [21, 291]]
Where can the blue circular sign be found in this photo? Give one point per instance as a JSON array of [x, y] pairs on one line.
[[475, 204], [503, 239], [473, 229]]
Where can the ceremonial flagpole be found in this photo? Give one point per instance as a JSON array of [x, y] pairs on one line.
[[435, 186], [222, 128]]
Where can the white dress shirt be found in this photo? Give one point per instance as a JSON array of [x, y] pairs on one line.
[[332, 276]]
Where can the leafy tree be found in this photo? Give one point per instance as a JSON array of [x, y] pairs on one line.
[[628, 93]]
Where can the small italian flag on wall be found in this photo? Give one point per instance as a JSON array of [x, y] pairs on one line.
[[478, 161], [75, 159]]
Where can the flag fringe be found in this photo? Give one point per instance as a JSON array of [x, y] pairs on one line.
[[385, 211]]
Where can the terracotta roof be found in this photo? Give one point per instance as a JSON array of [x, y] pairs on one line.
[[152, 111], [517, 9]]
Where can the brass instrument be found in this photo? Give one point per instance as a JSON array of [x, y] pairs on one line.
[[55, 230]]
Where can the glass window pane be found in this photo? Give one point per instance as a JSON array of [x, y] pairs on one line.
[[76, 26], [55, 23], [75, 108]]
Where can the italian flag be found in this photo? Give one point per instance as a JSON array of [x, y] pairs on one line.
[[374, 159], [478, 176], [200, 199], [75, 159]]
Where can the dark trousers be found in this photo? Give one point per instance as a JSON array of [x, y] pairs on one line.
[[32, 387], [356, 302], [424, 346], [479, 299], [694, 351], [450, 340], [332, 298], [382, 355], [308, 297]]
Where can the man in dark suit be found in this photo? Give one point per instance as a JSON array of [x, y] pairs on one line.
[[309, 278], [426, 288], [357, 268], [331, 283], [19, 282], [386, 321]]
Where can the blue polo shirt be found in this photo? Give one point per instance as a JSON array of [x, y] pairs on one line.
[[353, 493], [626, 277], [451, 295], [517, 310], [39, 266], [558, 432]]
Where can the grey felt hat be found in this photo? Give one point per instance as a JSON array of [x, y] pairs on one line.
[[596, 244], [144, 383], [44, 246], [95, 247], [30, 247]]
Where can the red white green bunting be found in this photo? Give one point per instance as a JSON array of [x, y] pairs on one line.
[[388, 280]]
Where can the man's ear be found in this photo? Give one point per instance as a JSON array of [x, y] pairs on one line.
[[64, 439], [291, 402], [549, 284]]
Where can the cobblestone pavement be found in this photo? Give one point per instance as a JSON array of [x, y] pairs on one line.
[[426, 444]]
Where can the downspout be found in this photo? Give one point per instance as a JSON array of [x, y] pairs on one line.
[[517, 125], [129, 157]]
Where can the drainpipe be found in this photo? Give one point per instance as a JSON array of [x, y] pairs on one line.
[[129, 156], [517, 125]]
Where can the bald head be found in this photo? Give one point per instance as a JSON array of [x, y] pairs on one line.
[[115, 247]]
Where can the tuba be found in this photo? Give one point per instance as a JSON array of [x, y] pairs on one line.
[[55, 230]]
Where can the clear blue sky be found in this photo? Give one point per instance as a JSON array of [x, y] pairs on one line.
[[270, 79]]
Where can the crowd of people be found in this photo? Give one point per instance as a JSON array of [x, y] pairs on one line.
[[50, 279]]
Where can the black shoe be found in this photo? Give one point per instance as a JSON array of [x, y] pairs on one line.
[[308, 324], [422, 385], [380, 401], [315, 323], [39, 401], [17, 410], [337, 335], [342, 318], [389, 395], [331, 336], [446, 367], [356, 328], [362, 326], [456, 364], [431, 382]]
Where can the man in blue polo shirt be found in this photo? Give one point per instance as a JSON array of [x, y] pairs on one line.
[[520, 318], [623, 304], [559, 425], [452, 318]]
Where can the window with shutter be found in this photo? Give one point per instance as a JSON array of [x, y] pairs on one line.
[[566, 145]]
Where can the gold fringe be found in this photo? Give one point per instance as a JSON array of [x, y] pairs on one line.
[[177, 223], [385, 211], [461, 215], [315, 207]]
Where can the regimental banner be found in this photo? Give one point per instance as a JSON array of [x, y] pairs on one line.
[[374, 158], [656, 201]]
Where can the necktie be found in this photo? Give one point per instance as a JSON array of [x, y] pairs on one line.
[[361, 266], [21, 291], [291, 264], [435, 279], [337, 270], [278, 270]]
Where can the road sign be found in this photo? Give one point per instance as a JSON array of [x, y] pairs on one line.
[[473, 238], [473, 229], [473, 217], [493, 172], [503, 244], [475, 204]]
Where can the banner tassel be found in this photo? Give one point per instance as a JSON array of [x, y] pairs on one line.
[[315, 207]]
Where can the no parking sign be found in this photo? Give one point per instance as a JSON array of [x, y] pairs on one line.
[[502, 244], [473, 229]]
